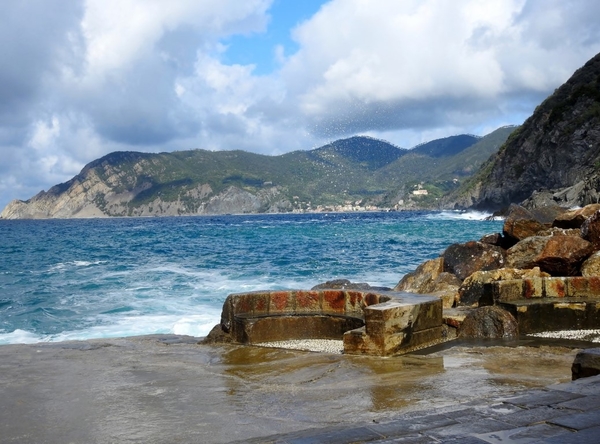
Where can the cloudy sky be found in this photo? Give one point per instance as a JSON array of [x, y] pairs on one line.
[[82, 78]]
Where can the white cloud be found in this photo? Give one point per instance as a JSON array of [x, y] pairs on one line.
[[89, 77], [428, 63]]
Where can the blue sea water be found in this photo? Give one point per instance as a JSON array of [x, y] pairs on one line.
[[94, 278]]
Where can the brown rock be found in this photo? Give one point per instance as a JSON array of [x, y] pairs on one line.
[[490, 322], [520, 223], [586, 364], [217, 336], [463, 260], [492, 239], [575, 218], [429, 278], [555, 231], [590, 230], [420, 280], [477, 288], [558, 255], [591, 266]]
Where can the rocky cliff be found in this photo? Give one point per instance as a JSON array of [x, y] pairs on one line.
[[119, 184], [557, 149]]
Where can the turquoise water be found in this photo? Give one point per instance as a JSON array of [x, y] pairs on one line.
[[94, 278]]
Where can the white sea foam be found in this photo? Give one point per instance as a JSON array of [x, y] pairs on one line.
[[460, 215], [19, 337]]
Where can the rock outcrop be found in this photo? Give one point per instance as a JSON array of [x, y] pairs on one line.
[[547, 280], [556, 149]]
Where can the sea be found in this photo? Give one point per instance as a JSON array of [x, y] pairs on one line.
[[80, 279]]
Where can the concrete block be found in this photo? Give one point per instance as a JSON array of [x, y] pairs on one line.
[[308, 301], [555, 287], [334, 301], [509, 290], [533, 287], [282, 302]]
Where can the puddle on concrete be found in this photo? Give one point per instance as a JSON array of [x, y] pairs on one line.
[[200, 393]]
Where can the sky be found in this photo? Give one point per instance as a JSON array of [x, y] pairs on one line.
[[82, 78]]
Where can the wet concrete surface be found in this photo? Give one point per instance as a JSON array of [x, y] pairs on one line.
[[157, 389]]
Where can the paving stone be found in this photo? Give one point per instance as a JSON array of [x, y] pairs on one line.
[[584, 404], [587, 436], [537, 398], [586, 386], [406, 426], [462, 440], [522, 434], [340, 436], [579, 421], [471, 428], [525, 417], [466, 415], [407, 439]]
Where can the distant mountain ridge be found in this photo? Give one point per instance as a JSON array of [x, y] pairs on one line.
[[354, 174]]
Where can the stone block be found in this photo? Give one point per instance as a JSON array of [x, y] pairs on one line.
[[282, 302], [261, 303], [509, 290], [307, 301], [334, 301], [555, 287], [281, 328], [354, 301], [578, 287], [395, 313], [428, 315], [533, 287], [243, 303]]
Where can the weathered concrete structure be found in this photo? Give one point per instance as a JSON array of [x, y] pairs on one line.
[[551, 303], [376, 323]]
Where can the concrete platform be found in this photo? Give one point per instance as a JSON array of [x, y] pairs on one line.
[[562, 413]]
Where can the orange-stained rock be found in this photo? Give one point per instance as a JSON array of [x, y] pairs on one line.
[[429, 278], [591, 266], [520, 223], [558, 255], [463, 260], [575, 218], [590, 230]]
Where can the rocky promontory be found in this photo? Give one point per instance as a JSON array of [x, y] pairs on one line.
[[555, 153]]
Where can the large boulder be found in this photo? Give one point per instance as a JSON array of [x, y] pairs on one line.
[[591, 266], [489, 322], [463, 260], [590, 230], [558, 255], [520, 223], [476, 290], [430, 278], [421, 280], [575, 218]]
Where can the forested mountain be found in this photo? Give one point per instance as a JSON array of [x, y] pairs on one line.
[[351, 174]]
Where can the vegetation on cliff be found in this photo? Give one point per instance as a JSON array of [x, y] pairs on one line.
[[557, 147], [351, 174]]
